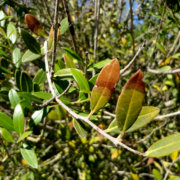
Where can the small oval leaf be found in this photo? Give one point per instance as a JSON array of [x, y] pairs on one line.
[[6, 122], [40, 77], [26, 83], [17, 57], [18, 119], [12, 33], [24, 135], [29, 155], [6, 135], [68, 61], [14, 98]]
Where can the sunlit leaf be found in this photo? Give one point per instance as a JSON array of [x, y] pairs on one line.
[[164, 146], [18, 119], [6, 135], [64, 25], [17, 57], [29, 155], [14, 98], [30, 56], [157, 174], [6, 122], [130, 101], [24, 135], [40, 77], [105, 85], [69, 63], [12, 33], [80, 130]]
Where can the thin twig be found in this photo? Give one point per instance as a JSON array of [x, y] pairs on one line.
[[163, 72], [55, 28], [115, 141], [167, 115], [167, 172], [132, 26], [7, 152], [70, 84], [96, 14], [157, 35], [148, 136], [44, 104], [71, 27], [134, 58]]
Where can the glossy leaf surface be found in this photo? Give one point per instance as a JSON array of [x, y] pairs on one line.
[[38, 116], [64, 25], [30, 42], [164, 146], [17, 57], [26, 83], [40, 77], [29, 155], [130, 101], [69, 63], [42, 95], [14, 98], [105, 85], [6, 135], [147, 114], [24, 135], [30, 56], [80, 130], [6, 122], [18, 119], [29, 97], [12, 33]]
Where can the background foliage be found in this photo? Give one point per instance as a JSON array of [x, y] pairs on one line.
[[61, 154]]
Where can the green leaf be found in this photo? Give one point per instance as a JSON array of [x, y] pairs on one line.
[[30, 42], [26, 104], [29, 155], [4, 94], [92, 81], [18, 119], [130, 101], [99, 65], [157, 174], [12, 32], [14, 98], [6, 18], [38, 116], [174, 178], [82, 133], [6, 122], [160, 47], [2, 45], [2, 53], [72, 53], [81, 81], [113, 128], [30, 56], [64, 25], [24, 135], [147, 114], [26, 83], [42, 95], [69, 61], [164, 146], [2, 15], [176, 56], [40, 77], [165, 68], [6, 135], [2, 69], [29, 97], [18, 78], [17, 57], [2, 32]]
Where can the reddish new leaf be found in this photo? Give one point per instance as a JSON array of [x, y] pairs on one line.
[[35, 26], [105, 85]]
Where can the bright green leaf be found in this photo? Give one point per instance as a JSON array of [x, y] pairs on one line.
[[42, 95], [6, 135], [17, 57], [6, 122], [29, 155], [24, 135], [40, 77], [64, 25], [12, 32], [14, 98], [30, 56], [157, 174], [18, 119]]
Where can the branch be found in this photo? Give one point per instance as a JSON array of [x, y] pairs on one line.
[[55, 28], [148, 136], [163, 72], [70, 84], [96, 14], [71, 27], [167, 115], [142, 46], [115, 141]]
